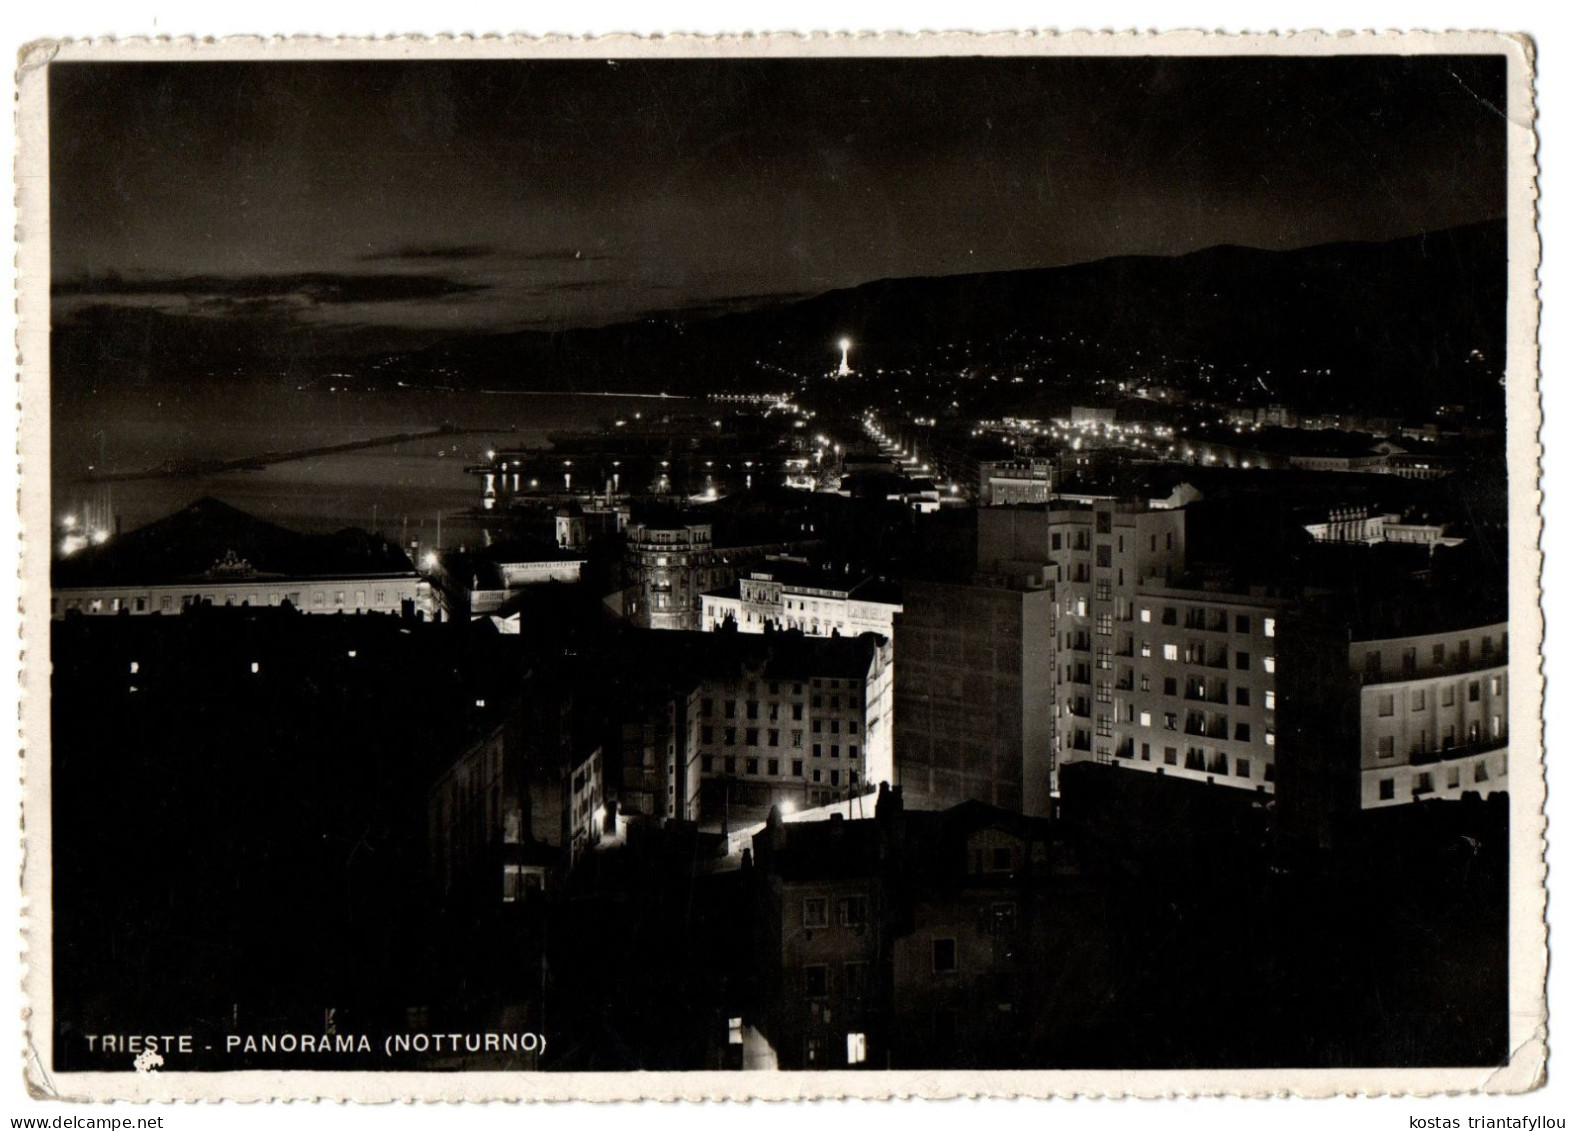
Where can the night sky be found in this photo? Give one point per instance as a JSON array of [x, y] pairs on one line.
[[411, 201]]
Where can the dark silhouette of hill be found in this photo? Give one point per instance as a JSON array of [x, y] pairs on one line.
[[1389, 318], [1395, 320]]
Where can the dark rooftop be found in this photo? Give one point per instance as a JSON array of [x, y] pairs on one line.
[[213, 539]]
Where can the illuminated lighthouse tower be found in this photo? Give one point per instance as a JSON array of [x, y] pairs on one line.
[[845, 370]]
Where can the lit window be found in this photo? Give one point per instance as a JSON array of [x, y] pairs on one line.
[[1268, 626], [1170, 652], [256, 667], [858, 1049], [134, 667], [1145, 615], [1268, 700], [1268, 738], [735, 1030], [1145, 719], [1268, 664]]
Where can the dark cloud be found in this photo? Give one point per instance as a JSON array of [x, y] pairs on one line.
[[307, 288], [561, 255], [445, 253]]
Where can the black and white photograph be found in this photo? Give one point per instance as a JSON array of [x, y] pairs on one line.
[[785, 560]]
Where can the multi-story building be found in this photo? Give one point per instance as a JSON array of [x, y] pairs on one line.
[[1148, 672], [668, 568], [922, 939], [974, 694], [1004, 482], [213, 554], [816, 602], [793, 719], [516, 807], [1374, 719], [720, 726]]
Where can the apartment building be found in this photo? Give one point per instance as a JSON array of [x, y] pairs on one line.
[[1149, 673], [811, 600], [1377, 719]]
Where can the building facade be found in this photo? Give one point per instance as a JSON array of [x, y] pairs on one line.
[[974, 695], [816, 603], [1378, 721], [799, 721], [1147, 673], [668, 568]]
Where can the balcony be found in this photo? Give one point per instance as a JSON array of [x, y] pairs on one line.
[[1451, 753]]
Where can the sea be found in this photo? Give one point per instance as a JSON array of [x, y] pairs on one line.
[[405, 491]]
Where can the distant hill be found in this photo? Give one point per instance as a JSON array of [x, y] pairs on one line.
[[1395, 320], [1387, 317]]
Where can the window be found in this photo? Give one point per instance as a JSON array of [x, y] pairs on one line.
[[1145, 719], [1243, 623], [1474, 691], [1170, 720], [836, 751], [858, 1048], [1102, 726], [1386, 746], [1146, 649], [752, 709], [735, 1030], [798, 768], [853, 752], [856, 979], [1479, 772], [798, 740], [1268, 626], [1268, 700], [730, 709], [729, 736], [1243, 732], [1446, 695], [705, 763], [1438, 655], [752, 736], [1170, 652], [1386, 705], [705, 708], [1145, 615], [1243, 661], [855, 911], [1386, 789], [1453, 779], [815, 750], [772, 736], [729, 765], [815, 913], [1243, 768], [1268, 664], [943, 955], [1424, 783], [773, 767], [1268, 737], [751, 765], [1496, 685], [816, 984], [1102, 555]]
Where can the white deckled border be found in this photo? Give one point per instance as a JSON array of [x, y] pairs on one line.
[[1528, 930]]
